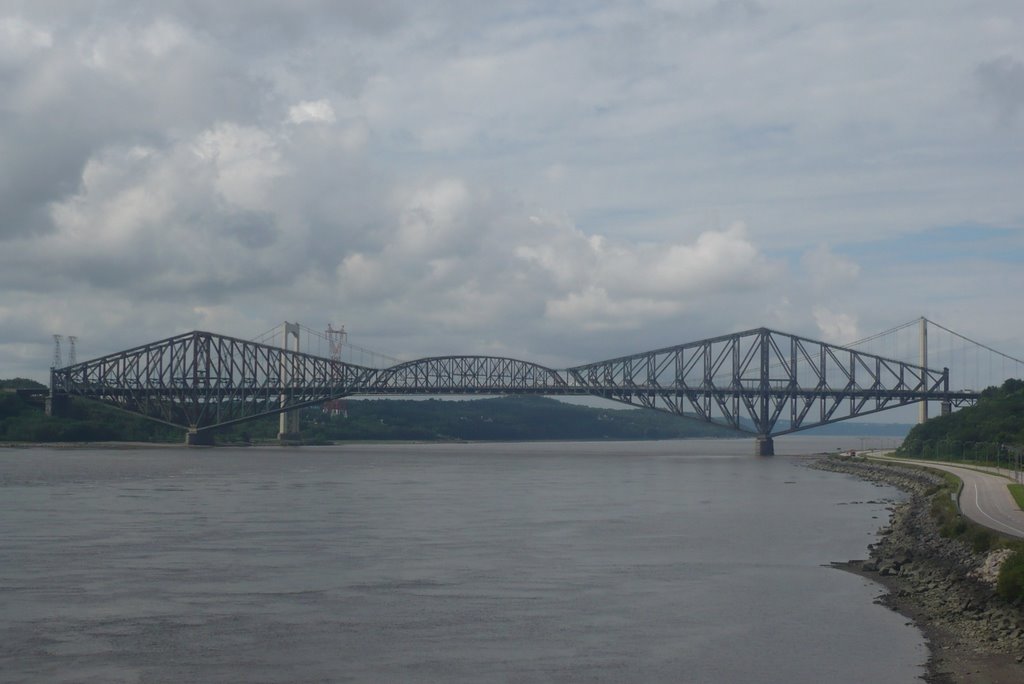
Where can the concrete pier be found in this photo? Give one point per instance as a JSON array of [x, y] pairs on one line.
[[57, 405], [288, 429], [199, 438], [764, 446], [289, 437]]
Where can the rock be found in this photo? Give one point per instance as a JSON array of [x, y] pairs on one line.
[[942, 580], [902, 557]]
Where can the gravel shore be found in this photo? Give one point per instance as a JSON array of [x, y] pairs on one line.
[[947, 589]]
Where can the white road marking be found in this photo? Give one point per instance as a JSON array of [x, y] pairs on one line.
[[974, 475], [999, 523]]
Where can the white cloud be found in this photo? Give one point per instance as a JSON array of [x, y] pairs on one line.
[[592, 309], [20, 38], [829, 270], [433, 218], [467, 177], [318, 111], [835, 327], [245, 161]]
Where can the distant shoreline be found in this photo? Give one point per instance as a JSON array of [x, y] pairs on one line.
[[361, 442], [89, 445]]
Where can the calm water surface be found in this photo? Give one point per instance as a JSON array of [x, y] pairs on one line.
[[681, 561]]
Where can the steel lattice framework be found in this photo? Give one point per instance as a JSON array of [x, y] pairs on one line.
[[201, 380], [761, 381], [469, 375], [750, 381]]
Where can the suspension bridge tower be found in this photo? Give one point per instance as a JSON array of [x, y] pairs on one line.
[[288, 430], [922, 416]]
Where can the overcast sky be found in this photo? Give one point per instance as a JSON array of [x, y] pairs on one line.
[[556, 181]]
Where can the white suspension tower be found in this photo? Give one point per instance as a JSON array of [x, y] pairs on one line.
[[289, 422], [922, 416]]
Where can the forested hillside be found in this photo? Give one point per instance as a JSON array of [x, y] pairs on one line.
[[504, 418], [23, 420], [997, 419]]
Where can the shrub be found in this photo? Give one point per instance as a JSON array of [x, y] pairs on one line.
[[953, 527], [981, 539], [1010, 584], [949, 521]]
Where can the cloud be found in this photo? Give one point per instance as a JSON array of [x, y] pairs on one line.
[[20, 39], [827, 269], [1002, 83], [835, 327], [245, 163], [619, 285], [592, 310], [319, 111], [561, 183]]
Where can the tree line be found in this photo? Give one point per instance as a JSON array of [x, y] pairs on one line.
[[22, 419], [989, 430]]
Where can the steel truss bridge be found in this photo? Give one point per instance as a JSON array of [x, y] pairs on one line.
[[761, 382]]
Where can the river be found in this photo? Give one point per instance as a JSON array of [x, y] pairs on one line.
[[674, 561]]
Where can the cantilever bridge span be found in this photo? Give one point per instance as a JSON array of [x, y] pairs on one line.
[[761, 382]]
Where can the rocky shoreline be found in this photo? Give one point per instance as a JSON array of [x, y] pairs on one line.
[[942, 584]]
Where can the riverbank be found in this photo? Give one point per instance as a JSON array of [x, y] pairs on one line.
[[90, 445], [947, 589]]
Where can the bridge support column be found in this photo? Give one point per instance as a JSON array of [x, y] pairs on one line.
[[57, 405], [57, 402], [764, 446], [199, 438], [288, 428], [947, 408]]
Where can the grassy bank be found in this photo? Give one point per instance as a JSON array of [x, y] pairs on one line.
[[1018, 494], [952, 524]]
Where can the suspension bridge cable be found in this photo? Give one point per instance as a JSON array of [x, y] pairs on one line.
[[874, 337], [353, 347], [802, 363], [268, 333], [974, 342]]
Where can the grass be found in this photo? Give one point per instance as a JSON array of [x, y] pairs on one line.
[[953, 524], [1018, 494]]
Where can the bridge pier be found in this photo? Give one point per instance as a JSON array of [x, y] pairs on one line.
[[288, 425], [57, 402], [57, 405], [194, 438], [289, 438], [764, 446]]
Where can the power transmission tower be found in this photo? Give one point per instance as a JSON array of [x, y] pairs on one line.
[[336, 339], [72, 357], [58, 358]]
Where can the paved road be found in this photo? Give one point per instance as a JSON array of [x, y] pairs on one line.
[[985, 498]]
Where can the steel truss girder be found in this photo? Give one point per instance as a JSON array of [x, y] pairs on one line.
[[468, 375], [748, 381], [765, 382], [200, 380]]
